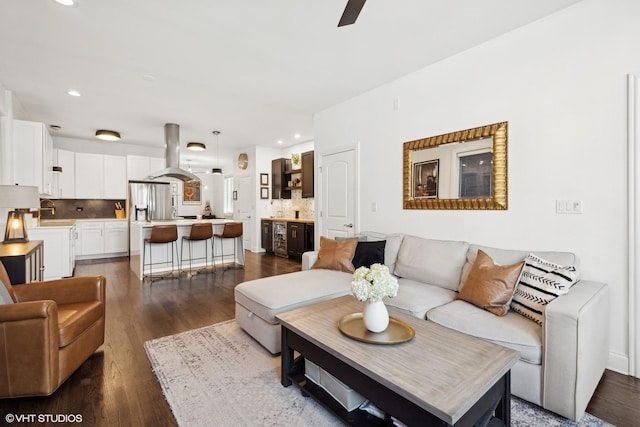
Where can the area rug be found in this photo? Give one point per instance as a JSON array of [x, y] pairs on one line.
[[218, 375]]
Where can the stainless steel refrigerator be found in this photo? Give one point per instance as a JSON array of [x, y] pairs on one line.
[[148, 201]]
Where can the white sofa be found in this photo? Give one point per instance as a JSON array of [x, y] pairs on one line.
[[561, 361]]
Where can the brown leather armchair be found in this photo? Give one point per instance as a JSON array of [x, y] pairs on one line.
[[49, 331]]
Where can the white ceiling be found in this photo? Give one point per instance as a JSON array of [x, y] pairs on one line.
[[256, 70]]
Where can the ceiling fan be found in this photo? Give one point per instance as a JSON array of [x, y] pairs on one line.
[[351, 12]]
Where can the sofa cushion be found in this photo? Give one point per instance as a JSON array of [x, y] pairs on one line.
[[335, 255], [490, 286], [270, 296], [541, 282], [512, 330], [74, 319], [368, 253], [510, 256], [415, 298], [391, 248], [436, 262]]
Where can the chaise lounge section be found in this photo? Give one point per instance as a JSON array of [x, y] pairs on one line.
[[562, 359]]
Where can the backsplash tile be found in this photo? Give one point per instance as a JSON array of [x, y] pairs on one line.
[[284, 208], [82, 208]]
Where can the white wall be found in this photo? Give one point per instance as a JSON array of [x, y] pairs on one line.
[[561, 84]]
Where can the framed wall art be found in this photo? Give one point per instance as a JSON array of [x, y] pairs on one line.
[[264, 192], [264, 179], [192, 194]]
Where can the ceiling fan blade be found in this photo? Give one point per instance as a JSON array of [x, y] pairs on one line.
[[351, 12]]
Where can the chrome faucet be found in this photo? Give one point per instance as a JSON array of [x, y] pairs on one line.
[[51, 207]]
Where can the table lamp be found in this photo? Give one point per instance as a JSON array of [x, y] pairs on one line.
[[20, 198]]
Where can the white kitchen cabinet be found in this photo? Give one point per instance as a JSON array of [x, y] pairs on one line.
[[66, 179], [99, 176], [89, 176], [116, 237], [90, 238], [102, 238], [139, 167], [33, 156], [59, 250], [115, 177]]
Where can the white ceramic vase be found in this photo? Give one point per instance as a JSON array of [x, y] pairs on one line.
[[376, 316]]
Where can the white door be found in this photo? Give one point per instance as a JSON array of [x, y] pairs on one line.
[[243, 209], [339, 196]]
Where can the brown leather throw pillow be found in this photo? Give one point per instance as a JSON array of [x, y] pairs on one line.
[[334, 255], [490, 286]]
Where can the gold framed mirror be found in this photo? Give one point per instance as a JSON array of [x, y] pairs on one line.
[[466, 169]]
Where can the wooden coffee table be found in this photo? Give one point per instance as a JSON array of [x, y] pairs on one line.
[[440, 377]]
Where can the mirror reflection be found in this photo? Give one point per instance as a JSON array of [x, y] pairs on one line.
[[459, 170]]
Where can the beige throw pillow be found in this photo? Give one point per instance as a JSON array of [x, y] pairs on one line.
[[334, 255], [490, 286]]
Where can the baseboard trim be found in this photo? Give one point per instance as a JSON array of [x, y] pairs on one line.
[[618, 363]]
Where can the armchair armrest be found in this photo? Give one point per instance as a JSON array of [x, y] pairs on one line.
[[576, 346], [30, 365], [308, 259], [63, 291]]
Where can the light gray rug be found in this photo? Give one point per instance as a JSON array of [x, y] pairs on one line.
[[218, 375]]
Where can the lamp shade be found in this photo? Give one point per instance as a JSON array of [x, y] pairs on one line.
[[19, 197]]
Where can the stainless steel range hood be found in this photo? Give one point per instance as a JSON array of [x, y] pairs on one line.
[[172, 156]]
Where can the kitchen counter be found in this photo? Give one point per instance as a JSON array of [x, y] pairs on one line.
[[186, 222], [56, 223], [301, 220]]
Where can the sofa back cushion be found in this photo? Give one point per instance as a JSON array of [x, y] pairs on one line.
[[510, 256], [435, 262]]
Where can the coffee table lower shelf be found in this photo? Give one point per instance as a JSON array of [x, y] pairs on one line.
[[357, 417]]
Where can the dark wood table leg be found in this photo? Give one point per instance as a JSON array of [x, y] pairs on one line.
[[503, 410], [286, 359]]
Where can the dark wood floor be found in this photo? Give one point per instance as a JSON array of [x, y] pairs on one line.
[[116, 387]]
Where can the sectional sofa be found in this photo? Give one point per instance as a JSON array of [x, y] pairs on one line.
[[562, 359]]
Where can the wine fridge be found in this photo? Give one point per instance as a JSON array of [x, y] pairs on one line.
[[280, 239]]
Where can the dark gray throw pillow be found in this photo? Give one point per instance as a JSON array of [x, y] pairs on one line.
[[368, 253]]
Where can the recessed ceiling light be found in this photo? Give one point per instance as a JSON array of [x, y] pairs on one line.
[[68, 3], [196, 146], [108, 135], [297, 136], [73, 93], [279, 141]]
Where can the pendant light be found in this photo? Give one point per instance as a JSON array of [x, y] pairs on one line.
[[217, 170]]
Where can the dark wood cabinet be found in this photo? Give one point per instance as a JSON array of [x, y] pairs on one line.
[[280, 177], [23, 261], [267, 235], [295, 239], [307, 174], [309, 237]]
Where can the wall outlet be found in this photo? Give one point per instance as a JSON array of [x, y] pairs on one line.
[[568, 206]]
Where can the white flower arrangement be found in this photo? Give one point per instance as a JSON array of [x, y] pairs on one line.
[[374, 283]]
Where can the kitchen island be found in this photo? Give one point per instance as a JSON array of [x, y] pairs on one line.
[[162, 253]]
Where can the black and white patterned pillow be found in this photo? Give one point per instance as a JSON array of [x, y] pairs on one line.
[[540, 283]]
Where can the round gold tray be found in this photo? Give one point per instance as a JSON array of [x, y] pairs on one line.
[[352, 325]]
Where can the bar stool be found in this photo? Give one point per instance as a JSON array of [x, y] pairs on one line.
[[231, 230], [198, 232], [160, 234]]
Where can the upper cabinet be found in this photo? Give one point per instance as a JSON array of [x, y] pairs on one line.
[[66, 180], [307, 174], [139, 167], [33, 156], [280, 177], [100, 176]]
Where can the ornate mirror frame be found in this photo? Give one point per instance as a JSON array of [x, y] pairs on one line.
[[498, 132]]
